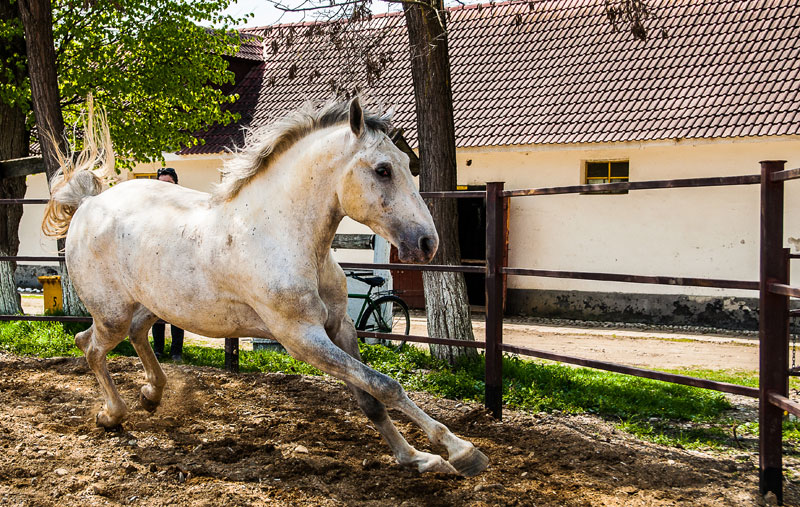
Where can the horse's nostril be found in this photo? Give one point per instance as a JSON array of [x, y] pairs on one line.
[[426, 244]]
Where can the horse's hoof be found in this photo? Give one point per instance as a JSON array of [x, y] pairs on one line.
[[147, 403], [102, 420], [436, 464], [471, 463]]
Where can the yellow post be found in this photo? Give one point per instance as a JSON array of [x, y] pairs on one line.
[[52, 294]]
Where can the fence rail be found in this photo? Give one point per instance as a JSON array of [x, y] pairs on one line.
[[784, 403], [29, 258], [414, 267], [457, 194], [617, 277], [46, 318], [773, 286], [784, 290], [751, 179], [785, 175], [24, 201], [423, 339]]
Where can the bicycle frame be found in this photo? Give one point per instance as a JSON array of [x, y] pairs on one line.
[[367, 298]]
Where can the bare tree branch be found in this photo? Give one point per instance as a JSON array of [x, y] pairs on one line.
[[633, 14], [332, 5]]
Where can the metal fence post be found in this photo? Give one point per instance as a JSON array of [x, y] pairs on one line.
[[495, 228], [773, 331], [232, 354]]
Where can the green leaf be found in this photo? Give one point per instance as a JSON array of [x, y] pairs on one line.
[[151, 64]]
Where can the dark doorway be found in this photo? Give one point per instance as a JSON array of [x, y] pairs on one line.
[[472, 238]]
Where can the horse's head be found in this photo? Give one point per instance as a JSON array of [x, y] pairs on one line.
[[377, 190]]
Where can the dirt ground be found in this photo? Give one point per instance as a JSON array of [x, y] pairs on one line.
[[275, 439], [222, 439]]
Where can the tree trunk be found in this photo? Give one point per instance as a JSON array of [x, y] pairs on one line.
[[37, 19], [13, 144], [445, 293], [12, 122]]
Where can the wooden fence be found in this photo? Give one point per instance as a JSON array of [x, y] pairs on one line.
[[773, 286]]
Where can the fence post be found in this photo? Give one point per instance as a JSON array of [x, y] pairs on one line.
[[232, 354], [773, 332], [495, 228]]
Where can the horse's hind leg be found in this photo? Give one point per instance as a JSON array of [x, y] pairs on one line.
[[96, 342], [310, 343], [405, 454], [150, 395]]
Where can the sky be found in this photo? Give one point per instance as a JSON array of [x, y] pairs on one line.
[[266, 14]]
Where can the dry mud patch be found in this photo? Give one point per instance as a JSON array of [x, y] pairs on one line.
[[274, 439]]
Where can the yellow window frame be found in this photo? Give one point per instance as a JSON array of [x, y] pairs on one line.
[[145, 176], [608, 177]]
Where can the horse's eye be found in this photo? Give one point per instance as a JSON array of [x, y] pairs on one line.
[[384, 171]]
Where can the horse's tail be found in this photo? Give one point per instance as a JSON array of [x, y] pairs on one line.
[[81, 175]]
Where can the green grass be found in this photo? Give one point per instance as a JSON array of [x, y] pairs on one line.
[[666, 413], [747, 378], [43, 339], [249, 361], [48, 339], [53, 339], [539, 386]]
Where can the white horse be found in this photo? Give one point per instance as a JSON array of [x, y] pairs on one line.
[[251, 259]]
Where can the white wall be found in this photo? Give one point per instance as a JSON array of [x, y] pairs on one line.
[[32, 241], [199, 172], [704, 232]]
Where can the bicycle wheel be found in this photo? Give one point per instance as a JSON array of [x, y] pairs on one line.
[[387, 314]]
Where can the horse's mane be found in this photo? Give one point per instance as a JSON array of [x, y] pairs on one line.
[[262, 146]]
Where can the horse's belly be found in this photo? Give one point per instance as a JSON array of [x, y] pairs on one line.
[[231, 320]]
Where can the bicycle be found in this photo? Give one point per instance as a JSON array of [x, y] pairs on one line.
[[382, 312]]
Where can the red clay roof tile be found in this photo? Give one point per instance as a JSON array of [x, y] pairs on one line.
[[555, 71]]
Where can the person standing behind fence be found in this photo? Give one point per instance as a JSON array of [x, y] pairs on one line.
[[169, 175]]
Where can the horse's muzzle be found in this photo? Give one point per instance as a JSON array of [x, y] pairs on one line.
[[420, 250]]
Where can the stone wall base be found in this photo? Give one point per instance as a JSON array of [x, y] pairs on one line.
[[656, 309], [26, 275]]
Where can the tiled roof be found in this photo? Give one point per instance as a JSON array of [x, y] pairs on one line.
[[546, 72], [250, 48]]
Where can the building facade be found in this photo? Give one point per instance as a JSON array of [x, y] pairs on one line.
[[549, 93]]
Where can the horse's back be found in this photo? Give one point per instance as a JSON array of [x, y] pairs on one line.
[[134, 231], [145, 196]]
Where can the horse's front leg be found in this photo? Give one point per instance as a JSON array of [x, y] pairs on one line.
[[404, 453], [310, 343], [151, 392]]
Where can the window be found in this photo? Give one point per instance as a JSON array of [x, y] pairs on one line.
[[144, 176], [606, 171]]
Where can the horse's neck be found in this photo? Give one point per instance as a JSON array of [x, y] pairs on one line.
[[296, 199]]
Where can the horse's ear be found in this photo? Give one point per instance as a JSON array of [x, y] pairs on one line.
[[356, 117]]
